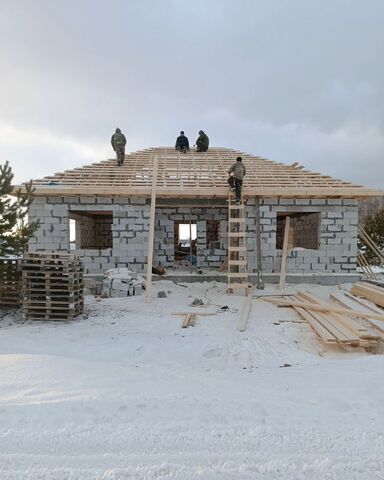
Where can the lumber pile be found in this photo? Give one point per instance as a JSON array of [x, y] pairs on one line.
[[52, 286], [10, 283], [332, 324], [370, 291]]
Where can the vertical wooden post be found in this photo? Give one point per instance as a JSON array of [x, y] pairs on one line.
[[284, 254], [259, 266], [151, 235], [190, 238]]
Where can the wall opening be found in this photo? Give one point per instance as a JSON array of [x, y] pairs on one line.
[[185, 241], [304, 230], [90, 230], [213, 234]]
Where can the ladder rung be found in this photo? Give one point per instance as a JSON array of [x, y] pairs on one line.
[[237, 220], [237, 234], [237, 262], [236, 207], [238, 274], [237, 249]]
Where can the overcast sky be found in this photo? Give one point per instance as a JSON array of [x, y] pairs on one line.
[[291, 80]]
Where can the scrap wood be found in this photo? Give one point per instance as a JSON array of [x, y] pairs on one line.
[[190, 317], [324, 308]]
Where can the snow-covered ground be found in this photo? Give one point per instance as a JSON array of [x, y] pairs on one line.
[[127, 394]]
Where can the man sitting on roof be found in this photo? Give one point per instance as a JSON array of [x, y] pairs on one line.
[[182, 143], [235, 181], [118, 142], [202, 143]]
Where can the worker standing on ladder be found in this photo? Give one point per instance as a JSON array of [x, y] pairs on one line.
[[118, 142], [236, 174]]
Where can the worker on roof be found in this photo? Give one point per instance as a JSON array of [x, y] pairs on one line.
[[236, 174], [182, 143], [118, 142], [202, 143]]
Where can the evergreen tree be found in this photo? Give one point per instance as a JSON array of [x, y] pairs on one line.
[[374, 226], [15, 231]]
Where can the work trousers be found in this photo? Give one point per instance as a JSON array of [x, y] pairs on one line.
[[200, 148], [182, 149], [120, 152], [236, 183]]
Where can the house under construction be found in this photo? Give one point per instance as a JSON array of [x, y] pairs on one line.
[[109, 215]]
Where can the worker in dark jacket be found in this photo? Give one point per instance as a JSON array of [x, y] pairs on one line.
[[202, 143], [182, 143], [237, 173], [118, 142]]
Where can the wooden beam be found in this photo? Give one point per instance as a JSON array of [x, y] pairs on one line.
[[151, 235], [242, 325], [284, 254]]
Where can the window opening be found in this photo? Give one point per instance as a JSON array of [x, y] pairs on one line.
[[90, 230], [185, 237], [304, 230]]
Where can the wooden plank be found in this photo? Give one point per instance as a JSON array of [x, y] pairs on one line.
[[284, 253], [322, 308], [187, 319], [350, 302], [344, 323], [151, 231], [369, 292], [242, 324]]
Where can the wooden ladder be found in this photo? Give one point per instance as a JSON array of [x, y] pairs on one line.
[[237, 247]]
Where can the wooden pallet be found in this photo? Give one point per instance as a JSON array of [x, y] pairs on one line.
[[52, 286], [10, 283]]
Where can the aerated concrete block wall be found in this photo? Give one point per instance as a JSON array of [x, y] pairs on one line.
[[129, 230], [337, 242], [165, 233], [337, 251]]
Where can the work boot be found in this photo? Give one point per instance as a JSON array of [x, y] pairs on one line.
[[237, 202]]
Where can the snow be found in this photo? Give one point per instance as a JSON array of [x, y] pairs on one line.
[[125, 393]]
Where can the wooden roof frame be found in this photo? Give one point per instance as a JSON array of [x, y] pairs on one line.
[[194, 175]]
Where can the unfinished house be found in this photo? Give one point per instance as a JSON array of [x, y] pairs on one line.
[[107, 213]]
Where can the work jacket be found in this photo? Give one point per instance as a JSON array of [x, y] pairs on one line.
[[202, 141], [238, 170], [182, 142]]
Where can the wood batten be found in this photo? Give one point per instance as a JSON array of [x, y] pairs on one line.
[[194, 175]]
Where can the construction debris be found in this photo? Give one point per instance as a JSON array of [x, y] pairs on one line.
[[10, 283], [52, 285], [189, 318], [122, 282]]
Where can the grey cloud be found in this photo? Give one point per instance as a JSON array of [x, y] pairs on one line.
[[293, 80]]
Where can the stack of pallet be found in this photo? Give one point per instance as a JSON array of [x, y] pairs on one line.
[[52, 286], [10, 283], [370, 291], [333, 324]]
